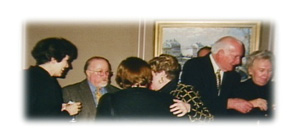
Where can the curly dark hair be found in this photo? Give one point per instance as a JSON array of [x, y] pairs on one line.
[[56, 48]]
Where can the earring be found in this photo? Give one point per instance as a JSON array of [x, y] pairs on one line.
[[161, 80]]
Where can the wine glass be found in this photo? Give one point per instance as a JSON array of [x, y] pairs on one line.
[[73, 117]]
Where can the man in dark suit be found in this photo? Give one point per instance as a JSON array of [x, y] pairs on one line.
[[88, 91], [215, 90]]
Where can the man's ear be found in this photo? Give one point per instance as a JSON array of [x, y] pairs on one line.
[[221, 52]]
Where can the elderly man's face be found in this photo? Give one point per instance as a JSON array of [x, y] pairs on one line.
[[231, 57], [98, 73], [261, 71]]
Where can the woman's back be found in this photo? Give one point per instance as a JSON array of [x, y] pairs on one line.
[[139, 103]]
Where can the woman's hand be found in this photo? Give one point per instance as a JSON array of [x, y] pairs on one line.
[[259, 103], [179, 108]]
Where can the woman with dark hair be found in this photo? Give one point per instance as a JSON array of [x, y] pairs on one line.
[[166, 70], [44, 95], [135, 100]]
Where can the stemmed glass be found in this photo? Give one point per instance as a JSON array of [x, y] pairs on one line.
[[73, 117]]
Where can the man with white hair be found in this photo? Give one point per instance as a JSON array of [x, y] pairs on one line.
[[213, 76]]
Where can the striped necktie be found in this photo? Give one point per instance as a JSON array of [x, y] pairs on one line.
[[218, 78]]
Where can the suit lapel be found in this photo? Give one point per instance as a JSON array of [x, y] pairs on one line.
[[211, 77], [86, 94]]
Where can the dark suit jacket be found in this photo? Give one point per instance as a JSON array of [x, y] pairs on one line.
[[135, 103], [44, 96], [199, 73], [80, 92]]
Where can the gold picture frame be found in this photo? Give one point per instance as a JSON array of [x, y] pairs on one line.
[[185, 32]]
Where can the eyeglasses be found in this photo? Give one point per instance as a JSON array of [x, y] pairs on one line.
[[100, 72]]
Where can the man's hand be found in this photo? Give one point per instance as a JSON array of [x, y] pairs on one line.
[[179, 108], [240, 105]]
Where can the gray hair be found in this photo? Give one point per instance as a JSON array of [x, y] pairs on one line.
[[264, 54], [223, 43]]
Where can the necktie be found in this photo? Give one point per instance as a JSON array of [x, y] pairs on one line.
[[218, 78], [98, 95]]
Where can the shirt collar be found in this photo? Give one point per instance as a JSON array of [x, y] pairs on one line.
[[215, 66], [91, 86]]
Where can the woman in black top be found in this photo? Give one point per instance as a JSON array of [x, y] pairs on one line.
[[44, 96], [135, 101], [258, 89], [165, 70]]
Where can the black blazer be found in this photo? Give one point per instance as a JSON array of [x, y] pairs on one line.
[[199, 73], [44, 96], [135, 103]]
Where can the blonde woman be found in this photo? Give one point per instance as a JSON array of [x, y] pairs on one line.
[[165, 70]]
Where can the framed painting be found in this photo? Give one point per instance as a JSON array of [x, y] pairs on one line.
[[183, 39]]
